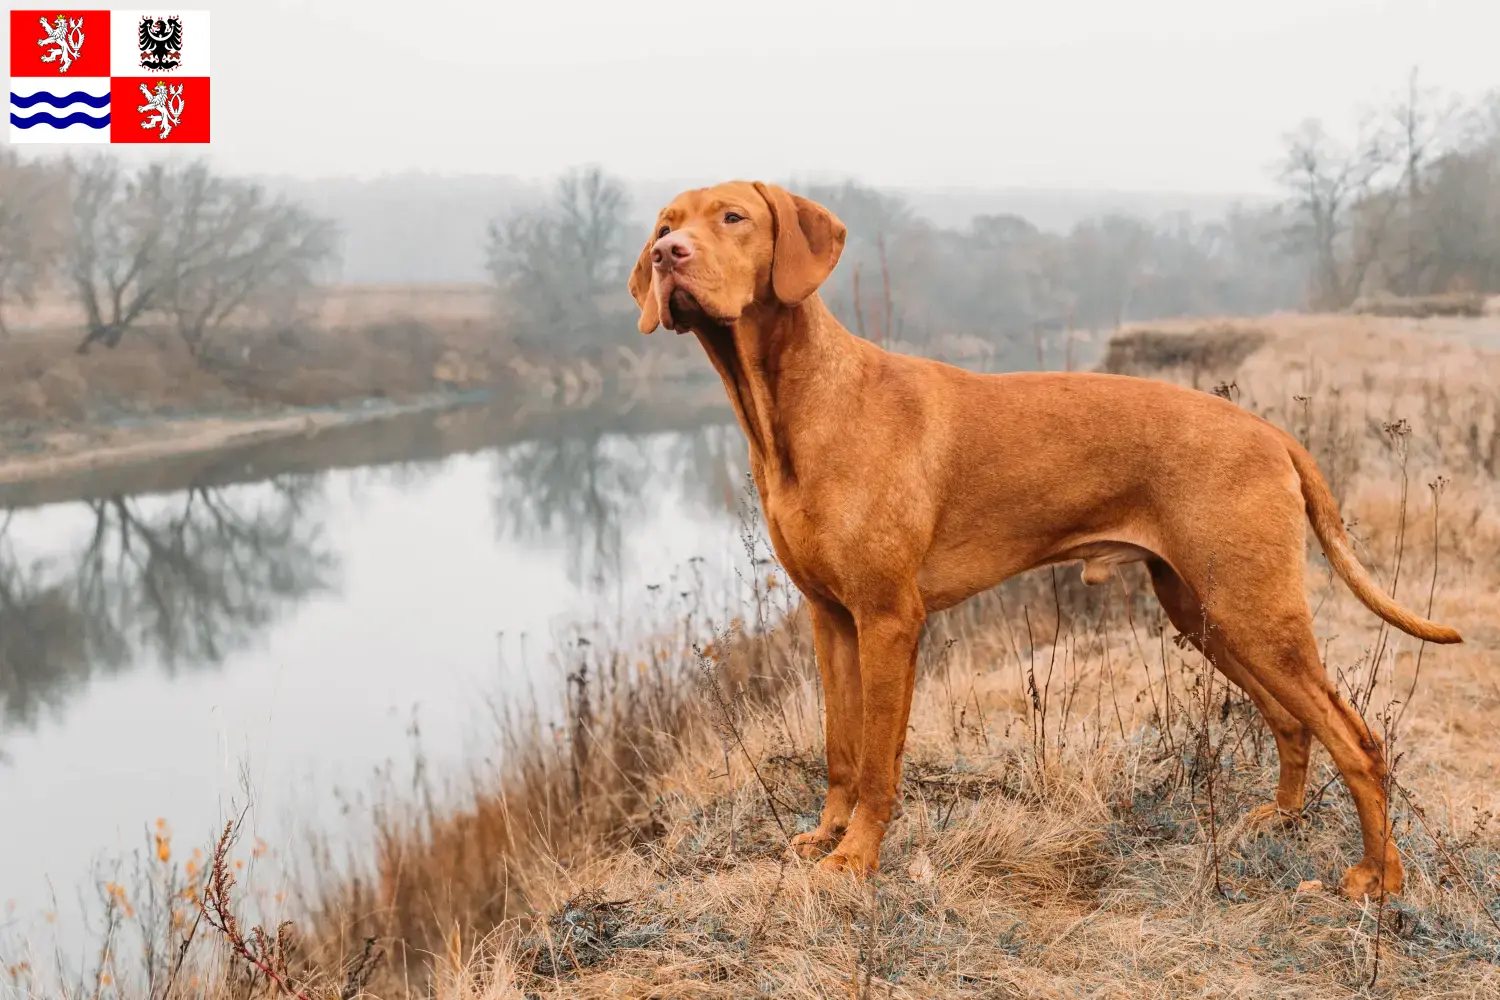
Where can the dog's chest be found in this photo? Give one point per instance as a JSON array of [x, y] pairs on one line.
[[800, 547]]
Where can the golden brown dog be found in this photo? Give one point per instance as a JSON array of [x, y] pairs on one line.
[[895, 486]]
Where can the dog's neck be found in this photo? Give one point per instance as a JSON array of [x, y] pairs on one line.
[[774, 358]]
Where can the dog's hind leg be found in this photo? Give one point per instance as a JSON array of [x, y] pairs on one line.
[[1293, 739], [1255, 598], [836, 646]]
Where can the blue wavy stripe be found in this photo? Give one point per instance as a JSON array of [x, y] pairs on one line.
[[45, 118], [76, 97]]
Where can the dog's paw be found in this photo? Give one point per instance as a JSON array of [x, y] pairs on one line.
[[850, 864], [858, 853], [813, 844], [1367, 878], [1269, 817]]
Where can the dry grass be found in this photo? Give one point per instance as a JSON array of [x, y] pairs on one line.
[[1423, 306], [1074, 781], [1196, 354], [43, 379], [335, 306]]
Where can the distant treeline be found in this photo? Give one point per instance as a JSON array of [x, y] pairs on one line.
[[560, 267], [1409, 205]]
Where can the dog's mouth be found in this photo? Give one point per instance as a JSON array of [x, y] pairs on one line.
[[681, 310]]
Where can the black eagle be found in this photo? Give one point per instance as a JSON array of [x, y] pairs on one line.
[[161, 42]]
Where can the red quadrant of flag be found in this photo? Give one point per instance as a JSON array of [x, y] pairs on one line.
[[183, 115], [40, 46]]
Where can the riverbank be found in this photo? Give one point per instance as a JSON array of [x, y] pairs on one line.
[[365, 354], [166, 456], [65, 452]]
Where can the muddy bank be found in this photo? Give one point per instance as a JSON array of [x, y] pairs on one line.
[[218, 451], [77, 453]]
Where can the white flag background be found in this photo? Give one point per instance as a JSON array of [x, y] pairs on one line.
[[60, 87], [125, 49]]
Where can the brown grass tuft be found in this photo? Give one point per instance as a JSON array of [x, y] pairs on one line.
[[1198, 356]]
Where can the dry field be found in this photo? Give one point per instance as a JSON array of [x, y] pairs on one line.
[[335, 306], [1074, 787], [357, 343]]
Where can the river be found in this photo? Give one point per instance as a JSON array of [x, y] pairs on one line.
[[288, 620]]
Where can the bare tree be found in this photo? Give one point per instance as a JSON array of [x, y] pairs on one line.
[[183, 245], [31, 202], [115, 255], [591, 211], [1332, 215], [1423, 122], [560, 268], [232, 252]]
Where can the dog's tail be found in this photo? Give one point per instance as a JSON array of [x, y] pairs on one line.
[[1323, 512]]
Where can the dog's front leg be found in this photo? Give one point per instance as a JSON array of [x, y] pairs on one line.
[[836, 645], [888, 661]]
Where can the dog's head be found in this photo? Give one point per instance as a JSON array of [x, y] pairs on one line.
[[716, 252]]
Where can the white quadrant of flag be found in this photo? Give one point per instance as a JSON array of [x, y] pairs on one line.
[[59, 109], [158, 42]]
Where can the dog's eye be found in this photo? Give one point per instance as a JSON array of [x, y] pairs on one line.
[[664, 230], [733, 217]]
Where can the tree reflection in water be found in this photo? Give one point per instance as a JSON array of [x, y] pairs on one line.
[[580, 491], [184, 580]]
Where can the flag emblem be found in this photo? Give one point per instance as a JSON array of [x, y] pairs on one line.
[[109, 76], [160, 40], [167, 103], [63, 39]]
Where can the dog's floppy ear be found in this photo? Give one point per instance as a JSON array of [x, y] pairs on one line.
[[643, 292], [809, 240]]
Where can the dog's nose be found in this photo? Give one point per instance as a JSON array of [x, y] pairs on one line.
[[670, 251]]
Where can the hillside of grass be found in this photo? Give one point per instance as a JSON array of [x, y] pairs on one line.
[[1074, 790]]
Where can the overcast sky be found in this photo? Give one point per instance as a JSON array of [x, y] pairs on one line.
[[1145, 95]]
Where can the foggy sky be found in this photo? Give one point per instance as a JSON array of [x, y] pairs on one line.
[[1149, 95]]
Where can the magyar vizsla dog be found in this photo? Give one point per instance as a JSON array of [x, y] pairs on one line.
[[894, 487]]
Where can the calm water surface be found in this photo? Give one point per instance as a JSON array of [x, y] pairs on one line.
[[157, 651]]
